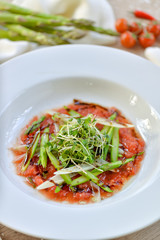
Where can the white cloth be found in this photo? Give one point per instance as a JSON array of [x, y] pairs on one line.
[[153, 54], [99, 11]]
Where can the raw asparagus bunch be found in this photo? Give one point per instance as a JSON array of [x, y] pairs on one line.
[[37, 37], [17, 23], [4, 6]]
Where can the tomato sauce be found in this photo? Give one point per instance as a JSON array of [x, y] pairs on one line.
[[131, 142]]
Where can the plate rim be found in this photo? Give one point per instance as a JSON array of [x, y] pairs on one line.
[[79, 48]]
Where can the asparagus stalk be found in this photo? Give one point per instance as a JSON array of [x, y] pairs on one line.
[[31, 151], [11, 35], [58, 189], [98, 30], [68, 180], [71, 34], [129, 160], [105, 188], [96, 172], [90, 176], [31, 21], [94, 179], [43, 153], [53, 159], [115, 145], [37, 37], [4, 6], [106, 128], [35, 124], [109, 131]]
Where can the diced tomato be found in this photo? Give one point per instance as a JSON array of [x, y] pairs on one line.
[[38, 180]]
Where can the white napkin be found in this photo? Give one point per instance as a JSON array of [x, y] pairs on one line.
[[153, 54], [99, 11]]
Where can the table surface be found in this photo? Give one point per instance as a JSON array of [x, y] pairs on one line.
[[121, 9]]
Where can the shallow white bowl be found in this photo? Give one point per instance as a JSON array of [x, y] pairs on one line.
[[53, 77]]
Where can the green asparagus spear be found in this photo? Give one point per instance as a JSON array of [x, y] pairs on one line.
[[107, 167], [115, 145], [113, 116], [129, 160], [11, 35], [43, 153], [31, 151], [105, 188], [94, 179], [106, 128], [90, 176], [72, 112], [96, 172], [58, 189], [69, 34], [68, 180], [110, 134], [4, 6], [53, 159], [31, 21], [33, 36], [34, 125], [98, 30]]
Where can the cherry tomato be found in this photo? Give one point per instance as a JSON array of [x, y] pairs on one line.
[[136, 28], [154, 28], [121, 25], [128, 39], [146, 39]]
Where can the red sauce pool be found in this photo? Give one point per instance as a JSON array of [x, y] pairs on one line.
[[132, 144]]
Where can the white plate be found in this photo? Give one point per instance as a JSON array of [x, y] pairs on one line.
[[52, 77]]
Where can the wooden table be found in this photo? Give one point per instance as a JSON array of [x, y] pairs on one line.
[[121, 9]]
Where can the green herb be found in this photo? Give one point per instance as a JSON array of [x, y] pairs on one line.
[[78, 141]]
